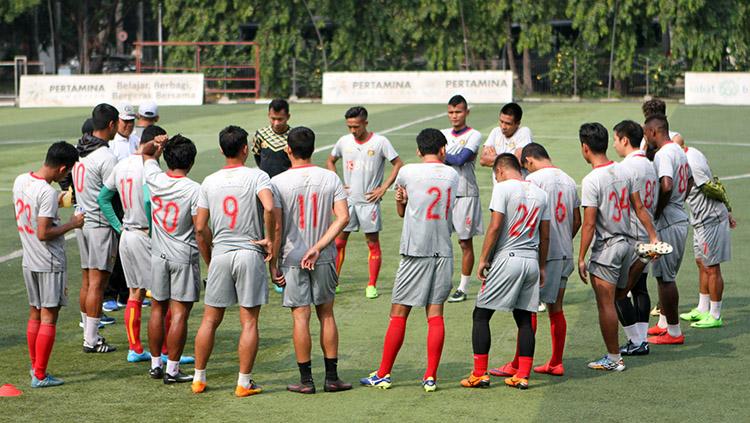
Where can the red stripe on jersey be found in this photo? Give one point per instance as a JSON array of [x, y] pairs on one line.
[[35, 176], [605, 164], [362, 142]]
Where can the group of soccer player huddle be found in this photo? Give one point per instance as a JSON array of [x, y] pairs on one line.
[[288, 221]]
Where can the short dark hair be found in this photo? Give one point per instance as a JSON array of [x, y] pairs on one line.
[[630, 129], [534, 150], [231, 140], [356, 112], [512, 109], [151, 132], [102, 115], [458, 99], [278, 105], [301, 141], [658, 122], [595, 136], [179, 152], [654, 107], [87, 127], [61, 153], [430, 141], [506, 161]]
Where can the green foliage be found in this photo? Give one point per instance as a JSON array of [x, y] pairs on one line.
[[662, 74], [11, 9], [563, 70]]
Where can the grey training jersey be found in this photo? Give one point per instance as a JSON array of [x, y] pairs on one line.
[[562, 198], [33, 197], [466, 138], [305, 195], [89, 174], [431, 189], [646, 183], [231, 198], [364, 163], [174, 202], [703, 209], [523, 205], [671, 161], [127, 179], [608, 188]]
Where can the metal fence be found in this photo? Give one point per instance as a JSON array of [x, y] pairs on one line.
[[10, 76]]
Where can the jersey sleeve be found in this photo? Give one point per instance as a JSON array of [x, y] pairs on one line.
[[256, 144], [337, 149], [524, 137], [151, 170], [276, 195], [546, 209], [401, 177], [491, 139], [203, 195], [47, 203], [474, 141], [499, 200], [590, 193], [338, 192], [109, 182], [388, 151], [264, 182], [664, 166], [700, 171], [194, 200]]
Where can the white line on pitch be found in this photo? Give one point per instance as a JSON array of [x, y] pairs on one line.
[[19, 253]]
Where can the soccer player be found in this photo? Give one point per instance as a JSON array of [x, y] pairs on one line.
[[304, 198], [608, 192], [657, 107], [634, 315], [148, 115], [461, 153], [425, 197], [508, 137], [126, 180], [235, 249], [564, 204], [511, 268], [269, 142], [364, 154], [44, 261], [175, 261], [96, 240], [125, 141], [711, 218], [675, 180]]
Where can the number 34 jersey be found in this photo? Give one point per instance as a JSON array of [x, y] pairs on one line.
[[174, 202], [524, 205], [431, 189], [562, 196], [608, 188]]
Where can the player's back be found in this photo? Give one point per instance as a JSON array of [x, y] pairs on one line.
[[466, 138], [306, 195], [364, 163], [127, 179], [562, 198], [608, 187], [646, 183], [523, 205], [431, 190], [231, 197], [703, 209], [89, 174], [671, 161], [34, 197]]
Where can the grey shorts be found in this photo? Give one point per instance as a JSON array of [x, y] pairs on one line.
[[171, 280], [135, 254], [611, 260], [712, 243], [666, 267], [512, 283], [237, 277], [557, 273], [46, 289], [364, 217], [423, 280], [98, 247], [309, 287], [467, 217]]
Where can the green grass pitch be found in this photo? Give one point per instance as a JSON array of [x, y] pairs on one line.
[[704, 379]]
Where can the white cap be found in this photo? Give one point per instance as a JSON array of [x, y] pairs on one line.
[[127, 111], [148, 109]]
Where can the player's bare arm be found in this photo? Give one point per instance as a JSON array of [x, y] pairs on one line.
[[665, 189], [375, 195], [277, 277], [152, 149], [576, 221], [587, 235], [401, 200], [543, 249], [266, 200], [47, 232], [488, 156], [490, 238], [642, 214], [341, 214], [203, 235]]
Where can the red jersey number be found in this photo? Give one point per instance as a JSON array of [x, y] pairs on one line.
[[561, 212], [621, 204], [79, 173], [431, 215], [126, 193], [301, 206], [21, 210], [169, 209], [527, 220], [231, 209]]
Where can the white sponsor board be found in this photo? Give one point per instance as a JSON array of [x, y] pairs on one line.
[[184, 89], [725, 88], [416, 87]]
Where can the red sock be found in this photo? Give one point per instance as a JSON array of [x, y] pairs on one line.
[[524, 366], [32, 329], [133, 325], [44, 342], [394, 337], [340, 254], [435, 340], [514, 363], [480, 364], [374, 260], [167, 324], [559, 328]]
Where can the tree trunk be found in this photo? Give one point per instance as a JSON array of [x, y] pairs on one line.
[[528, 84], [511, 55]]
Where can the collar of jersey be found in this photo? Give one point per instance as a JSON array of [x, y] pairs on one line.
[[604, 165], [466, 129], [35, 176], [174, 176], [302, 166], [363, 142]]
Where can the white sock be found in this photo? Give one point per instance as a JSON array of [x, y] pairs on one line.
[[703, 302], [632, 333], [199, 376], [244, 379], [614, 357], [156, 362], [716, 309], [662, 321], [464, 285], [642, 331], [674, 330], [91, 330], [173, 367]]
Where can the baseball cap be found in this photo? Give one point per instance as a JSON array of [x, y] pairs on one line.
[[127, 111], [148, 109]]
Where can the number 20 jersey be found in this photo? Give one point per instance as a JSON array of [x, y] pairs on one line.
[[562, 198]]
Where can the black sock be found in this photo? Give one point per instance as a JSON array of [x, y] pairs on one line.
[[480, 330], [331, 369], [641, 299], [526, 341], [305, 372], [625, 312]]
